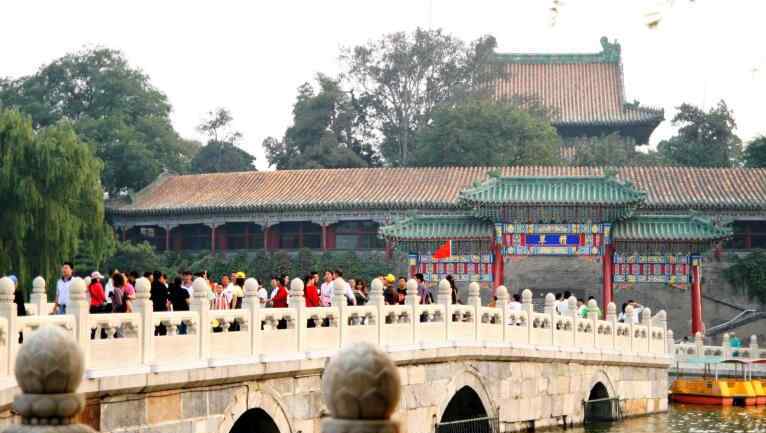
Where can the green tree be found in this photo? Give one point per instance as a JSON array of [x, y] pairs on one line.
[[612, 150], [221, 153], [755, 152], [112, 106], [749, 272], [130, 256], [330, 130], [405, 76], [704, 139], [51, 194], [484, 132]]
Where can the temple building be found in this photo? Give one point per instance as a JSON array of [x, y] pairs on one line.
[[584, 93]]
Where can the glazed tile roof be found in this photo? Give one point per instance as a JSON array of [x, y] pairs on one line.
[[431, 228], [667, 188], [579, 89], [671, 228], [560, 190]]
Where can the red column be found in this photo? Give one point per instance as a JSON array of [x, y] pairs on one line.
[[697, 324], [607, 284], [324, 237], [167, 238], [499, 268], [266, 238], [212, 239]]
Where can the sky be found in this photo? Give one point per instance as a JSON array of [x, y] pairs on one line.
[[250, 56]]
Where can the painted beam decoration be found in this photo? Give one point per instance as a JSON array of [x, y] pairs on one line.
[[671, 269], [463, 268], [553, 239]]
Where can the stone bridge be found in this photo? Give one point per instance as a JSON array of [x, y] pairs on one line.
[[259, 369]]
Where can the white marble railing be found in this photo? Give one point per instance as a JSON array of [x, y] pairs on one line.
[[154, 341], [684, 351]]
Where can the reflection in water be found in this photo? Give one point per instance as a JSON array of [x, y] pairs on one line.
[[689, 419]]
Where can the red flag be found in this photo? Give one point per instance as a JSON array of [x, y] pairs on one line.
[[444, 251]]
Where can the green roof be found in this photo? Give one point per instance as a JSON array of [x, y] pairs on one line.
[[423, 228], [559, 190], [679, 228], [610, 53]]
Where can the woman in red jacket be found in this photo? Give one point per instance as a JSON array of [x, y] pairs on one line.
[[310, 291], [280, 298]]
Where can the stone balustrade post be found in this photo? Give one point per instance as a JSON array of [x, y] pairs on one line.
[[201, 304], [699, 344], [48, 401], [671, 343], [646, 320], [754, 346], [253, 306], [340, 301], [593, 318], [503, 299], [79, 307], [550, 310], [298, 301], [573, 314], [611, 317], [9, 312], [411, 299], [661, 320], [529, 308], [474, 300], [629, 322], [361, 388], [377, 299], [39, 298], [145, 308], [444, 295], [725, 346]]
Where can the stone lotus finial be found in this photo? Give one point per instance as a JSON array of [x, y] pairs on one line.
[[49, 368], [200, 288], [77, 289], [502, 294], [38, 285], [361, 388], [592, 305], [753, 340], [444, 287], [296, 293], [572, 303], [338, 287], [526, 296], [144, 288], [412, 286], [661, 317], [629, 314], [6, 290], [550, 300], [611, 311], [646, 315], [251, 287], [474, 290], [376, 291]]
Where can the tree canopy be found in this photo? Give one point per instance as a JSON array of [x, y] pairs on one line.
[[112, 106], [52, 196], [704, 139], [405, 76], [221, 153], [755, 153], [330, 130], [484, 132], [612, 150]]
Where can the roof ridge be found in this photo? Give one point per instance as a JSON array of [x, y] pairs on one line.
[[610, 53]]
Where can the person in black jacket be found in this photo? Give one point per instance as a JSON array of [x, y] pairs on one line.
[[159, 297]]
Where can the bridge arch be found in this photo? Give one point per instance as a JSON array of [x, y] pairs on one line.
[[468, 398], [256, 411], [600, 386], [599, 400]]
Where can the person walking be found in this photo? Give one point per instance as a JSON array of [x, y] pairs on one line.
[[424, 293], [62, 288], [96, 293], [311, 291]]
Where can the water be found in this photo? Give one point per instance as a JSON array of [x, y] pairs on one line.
[[689, 419]]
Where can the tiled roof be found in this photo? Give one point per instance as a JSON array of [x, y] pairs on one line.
[[580, 89], [429, 228], [678, 228], [722, 189], [560, 190]]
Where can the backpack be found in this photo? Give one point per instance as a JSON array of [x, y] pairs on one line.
[[118, 300]]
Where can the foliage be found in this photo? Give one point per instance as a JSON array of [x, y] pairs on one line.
[[749, 272], [112, 106], [53, 202], [612, 150], [755, 153], [482, 132], [330, 130], [221, 153], [129, 256], [405, 76], [705, 139]]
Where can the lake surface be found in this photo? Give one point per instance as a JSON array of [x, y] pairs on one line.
[[689, 419]]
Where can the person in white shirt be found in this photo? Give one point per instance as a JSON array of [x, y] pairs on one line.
[[563, 306], [325, 290], [228, 288], [186, 282], [62, 288], [348, 291], [515, 305], [263, 295]]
